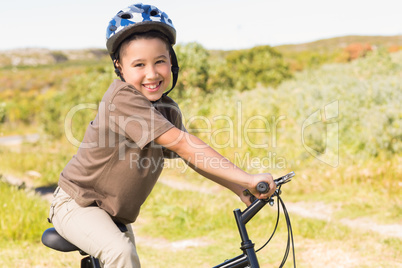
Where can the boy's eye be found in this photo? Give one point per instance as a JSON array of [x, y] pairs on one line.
[[139, 65], [160, 61]]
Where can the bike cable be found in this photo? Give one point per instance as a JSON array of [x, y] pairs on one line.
[[290, 236], [273, 232], [289, 228]]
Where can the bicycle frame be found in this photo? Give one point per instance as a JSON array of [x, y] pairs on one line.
[[53, 240], [249, 257]]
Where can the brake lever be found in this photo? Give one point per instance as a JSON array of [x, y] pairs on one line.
[[284, 179]]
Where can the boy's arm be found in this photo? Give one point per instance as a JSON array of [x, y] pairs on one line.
[[213, 165], [237, 189]]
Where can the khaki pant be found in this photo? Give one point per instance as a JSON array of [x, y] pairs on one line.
[[93, 231]]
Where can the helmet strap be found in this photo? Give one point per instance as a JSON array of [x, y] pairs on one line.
[[175, 70], [116, 69]]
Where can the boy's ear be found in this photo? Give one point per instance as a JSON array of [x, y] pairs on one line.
[[117, 68], [117, 64]]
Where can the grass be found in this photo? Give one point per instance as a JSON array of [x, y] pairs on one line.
[[370, 188], [23, 218], [33, 254], [365, 183], [23, 214], [17, 129], [364, 247], [47, 158], [172, 215]]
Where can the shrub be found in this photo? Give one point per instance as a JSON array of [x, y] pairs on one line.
[[194, 67], [259, 65], [87, 88], [357, 50]]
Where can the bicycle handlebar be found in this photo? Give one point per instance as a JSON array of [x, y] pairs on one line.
[[263, 187], [249, 258]]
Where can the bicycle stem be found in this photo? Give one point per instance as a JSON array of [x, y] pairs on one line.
[[251, 210], [242, 218], [249, 257]]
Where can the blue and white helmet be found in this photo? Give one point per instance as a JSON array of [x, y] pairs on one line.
[[137, 18]]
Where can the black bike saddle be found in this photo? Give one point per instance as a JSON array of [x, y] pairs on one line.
[[52, 239]]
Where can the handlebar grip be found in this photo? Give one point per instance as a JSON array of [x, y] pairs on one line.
[[262, 187]]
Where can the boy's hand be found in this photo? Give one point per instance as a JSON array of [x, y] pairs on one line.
[[254, 180], [266, 177], [245, 198]]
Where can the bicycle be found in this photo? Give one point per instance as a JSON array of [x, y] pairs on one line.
[[248, 259]]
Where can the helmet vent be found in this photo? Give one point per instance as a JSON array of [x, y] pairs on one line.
[[153, 13], [126, 16]]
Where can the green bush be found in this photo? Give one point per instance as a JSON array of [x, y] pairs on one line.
[[83, 93], [194, 67], [3, 112], [367, 93], [261, 65]]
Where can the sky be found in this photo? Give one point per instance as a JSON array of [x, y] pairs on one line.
[[215, 24]]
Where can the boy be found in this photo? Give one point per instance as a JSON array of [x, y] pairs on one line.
[[105, 184]]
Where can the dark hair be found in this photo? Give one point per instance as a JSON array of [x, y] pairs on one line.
[[146, 35]]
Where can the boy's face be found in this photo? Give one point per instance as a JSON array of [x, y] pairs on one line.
[[145, 64]]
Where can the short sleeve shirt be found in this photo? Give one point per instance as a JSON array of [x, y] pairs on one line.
[[118, 164]]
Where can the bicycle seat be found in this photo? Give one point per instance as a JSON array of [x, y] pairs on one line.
[[52, 239]]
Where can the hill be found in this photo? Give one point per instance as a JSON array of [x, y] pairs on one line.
[[41, 56], [337, 126], [332, 44]]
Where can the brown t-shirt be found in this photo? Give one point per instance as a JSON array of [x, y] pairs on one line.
[[118, 163]]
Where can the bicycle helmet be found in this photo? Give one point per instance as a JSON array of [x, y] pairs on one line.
[[140, 18]]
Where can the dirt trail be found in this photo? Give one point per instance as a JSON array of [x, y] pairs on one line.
[[18, 139], [316, 210]]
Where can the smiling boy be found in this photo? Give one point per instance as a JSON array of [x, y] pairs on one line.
[[100, 188]]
